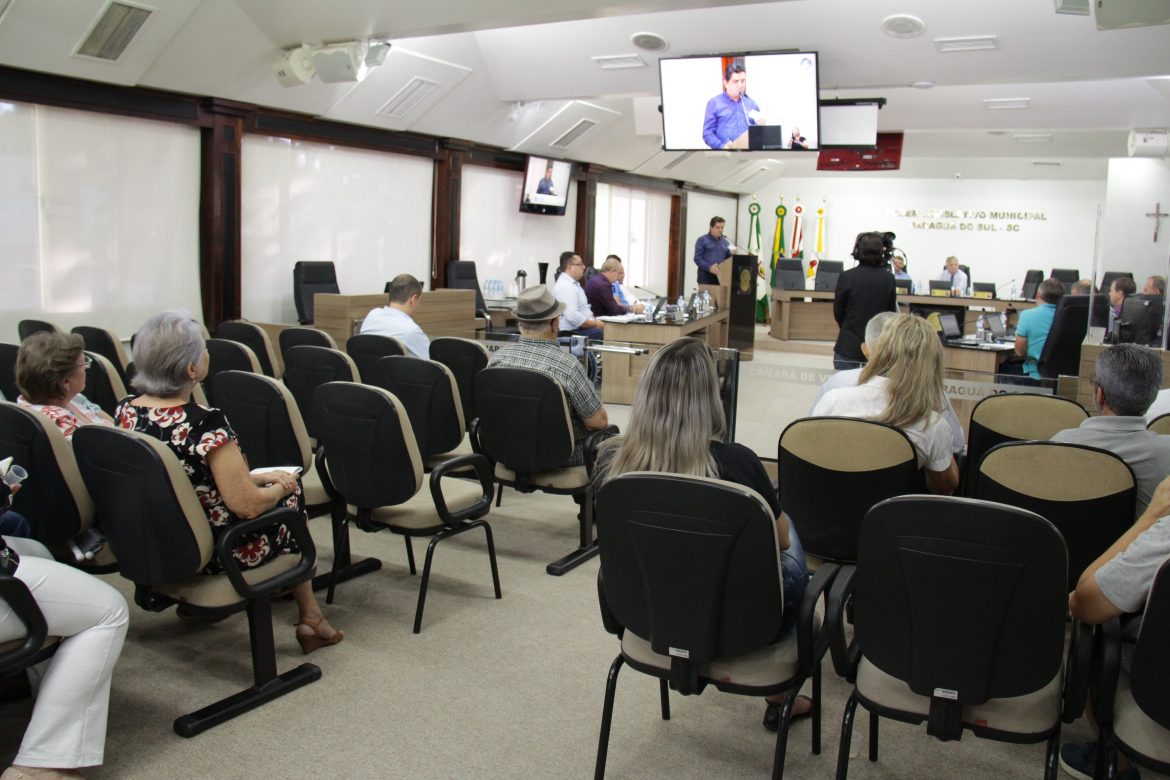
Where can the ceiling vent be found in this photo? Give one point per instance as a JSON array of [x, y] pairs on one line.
[[1047, 163], [1078, 7], [903, 26], [648, 41], [1032, 138], [113, 30], [619, 61], [670, 166], [574, 134], [968, 43], [755, 173], [406, 99], [1007, 104]]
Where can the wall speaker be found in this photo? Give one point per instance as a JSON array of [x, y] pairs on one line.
[[1147, 143]]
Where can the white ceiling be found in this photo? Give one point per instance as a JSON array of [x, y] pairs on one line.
[[516, 74]]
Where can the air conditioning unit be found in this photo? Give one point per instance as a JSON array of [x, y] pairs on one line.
[[1147, 143]]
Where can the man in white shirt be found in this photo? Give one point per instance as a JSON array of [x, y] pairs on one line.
[[953, 274], [578, 316], [397, 319]]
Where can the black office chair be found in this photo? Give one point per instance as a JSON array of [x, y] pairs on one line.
[[307, 368], [1032, 280], [26, 328], [304, 337], [102, 342], [966, 269], [1133, 709], [8, 353], [428, 392], [1062, 349], [690, 582], [367, 349], [523, 426], [373, 461], [465, 358], [1108, 277], [254, 338], [1015, 417], [103, 384], [832, 470], [1087, 493], [309, 278], [154, 519], [227, 355], [1066, 276], [959, 620], [461, 275]]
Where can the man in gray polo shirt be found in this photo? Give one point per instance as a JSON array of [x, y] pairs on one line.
[[1126, 383]]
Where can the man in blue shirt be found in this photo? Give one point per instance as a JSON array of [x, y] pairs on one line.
[[1034, 324], [710, 250], [729, 113], [545, 186]]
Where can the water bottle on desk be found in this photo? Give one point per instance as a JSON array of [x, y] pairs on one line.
[[979, 328]]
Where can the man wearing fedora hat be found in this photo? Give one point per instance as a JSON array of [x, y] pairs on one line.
[[537, 314]]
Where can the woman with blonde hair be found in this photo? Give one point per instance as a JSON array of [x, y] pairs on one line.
[[677, 426], [903, 386]]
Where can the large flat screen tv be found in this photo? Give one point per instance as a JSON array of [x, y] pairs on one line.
[[546, 186], [743, 102]]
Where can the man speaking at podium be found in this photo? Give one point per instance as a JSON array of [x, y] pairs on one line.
[[731, 112], [710, 250]]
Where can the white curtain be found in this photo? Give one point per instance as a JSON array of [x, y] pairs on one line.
[[634, 225]]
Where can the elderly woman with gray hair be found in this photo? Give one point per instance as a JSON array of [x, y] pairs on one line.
[[171, 356]]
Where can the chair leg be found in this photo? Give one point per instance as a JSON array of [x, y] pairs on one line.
[[426, 577], [343, 566], [607, 717], [664, 693], [410, 555], [873, 736], [1050, 757], [1104, 753], [782, 736], [816, 711], [585, 550], [846, 737], [499, 494], [491, 545]]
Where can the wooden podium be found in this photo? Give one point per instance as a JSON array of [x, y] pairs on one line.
[[444, 312], [736, 293]]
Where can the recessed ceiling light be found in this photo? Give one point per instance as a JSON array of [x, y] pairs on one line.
[[1047, 163], [648, 41], [967, 43], [997, 132], [903, 26], [1032, 138], [1007, 104], [619, 61]]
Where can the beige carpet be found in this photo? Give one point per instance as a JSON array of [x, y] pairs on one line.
[[495, 689]]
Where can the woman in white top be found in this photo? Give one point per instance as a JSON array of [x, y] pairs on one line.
[[903, 386], [50, 372]]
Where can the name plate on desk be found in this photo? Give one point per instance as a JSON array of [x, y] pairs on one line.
[[937, 293], [986, 295]]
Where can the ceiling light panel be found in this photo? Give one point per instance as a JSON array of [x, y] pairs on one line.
[[1007, 104], [1033, 138], [967, 43], [619, 61]]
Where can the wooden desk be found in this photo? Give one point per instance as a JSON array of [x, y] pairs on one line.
[[440, 313], [621, 373], [794, 318]]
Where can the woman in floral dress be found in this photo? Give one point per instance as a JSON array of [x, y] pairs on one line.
[[171, 356]]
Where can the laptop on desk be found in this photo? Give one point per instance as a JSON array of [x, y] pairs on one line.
[[951, 332], [995, 325]]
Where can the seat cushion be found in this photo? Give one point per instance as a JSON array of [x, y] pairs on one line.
[[570, 478], [312, 489], [464, 448], [215, 590], [1135, 729], [419, 513], [1032, 713]]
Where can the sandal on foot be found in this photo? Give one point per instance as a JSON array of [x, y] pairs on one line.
[[314, 641], [772, 713]]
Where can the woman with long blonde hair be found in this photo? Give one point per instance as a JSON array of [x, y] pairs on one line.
[[903, 386], [677, 426]]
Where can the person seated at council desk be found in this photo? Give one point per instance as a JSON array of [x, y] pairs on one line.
[[955, 275], [599, 290], [170, 356], [578, 316], [50, 373], [397, 319], [1032, 328], [899, 263], [1155, 286], [902, 385], [1081, 287], [677, 426]]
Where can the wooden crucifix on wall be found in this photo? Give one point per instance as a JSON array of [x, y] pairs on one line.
[[1157, 215]]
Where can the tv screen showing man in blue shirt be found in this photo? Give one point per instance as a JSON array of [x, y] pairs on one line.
[[731, 112]]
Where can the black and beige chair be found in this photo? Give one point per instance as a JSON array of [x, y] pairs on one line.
[[26, 328], [367, 349], [227, 355], [1132, 707], [1159, 425], [304, 336], [1087, 493], [309, 278], [102, 342], [832, 470], [8, 353], [959, 613], [690, 582], [1016, 417], [428, 392], [155, 522], [256, 339], [307, 368], [524, 428], [54, 499], [372, 459], [466, 358], [271, 432], [103, 383]]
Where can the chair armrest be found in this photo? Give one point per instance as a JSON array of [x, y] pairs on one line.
[[592, 442], [1105, 670], [811, 647], [295, 522], [473, 435], [608, 619], [845, 656], [17, 596], [1077, 669], [321, 464], [483, 471]]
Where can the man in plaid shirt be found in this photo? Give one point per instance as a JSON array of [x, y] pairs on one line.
[[538, 314]]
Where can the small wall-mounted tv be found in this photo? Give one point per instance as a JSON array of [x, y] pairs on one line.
[[546, 186], [742, 102]]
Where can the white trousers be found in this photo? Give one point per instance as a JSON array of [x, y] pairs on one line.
[[68, 725]]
